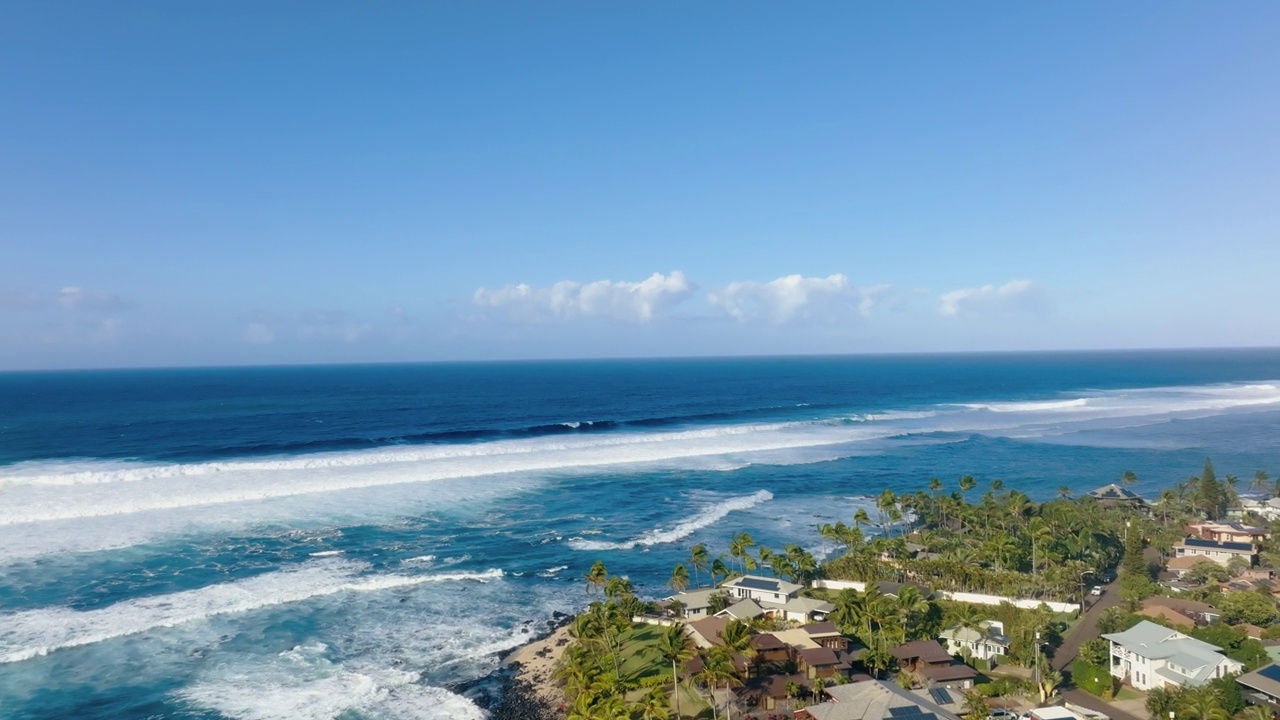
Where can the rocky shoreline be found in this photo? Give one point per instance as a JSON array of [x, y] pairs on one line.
[[524, 688]]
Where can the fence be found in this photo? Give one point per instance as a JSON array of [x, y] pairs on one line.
[[975, 598]]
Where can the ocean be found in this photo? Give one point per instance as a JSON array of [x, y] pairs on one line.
[[362, 542]]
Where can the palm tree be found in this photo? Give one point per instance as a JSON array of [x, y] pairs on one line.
[[675, 647], [883, 503], [1202, 703], [698, 559], [819, 688], [597, 576], [617, 587], [679, 578], [861, 518], [1064, 492], [718, 666], [1050, 681], [911, 606], [1256, 712], [718, 569], [976, 705], [1040, 534], [738, 547], [967, 483], [654, 705], [1128, 478]]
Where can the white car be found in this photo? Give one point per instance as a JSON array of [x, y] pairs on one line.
[[1096, 591]]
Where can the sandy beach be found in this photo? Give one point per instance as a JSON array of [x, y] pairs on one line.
[[537, 661]]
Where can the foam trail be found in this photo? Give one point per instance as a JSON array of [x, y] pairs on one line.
[[31, 633], [711, 515]]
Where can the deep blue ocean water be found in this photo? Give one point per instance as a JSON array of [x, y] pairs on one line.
[[352, 542]]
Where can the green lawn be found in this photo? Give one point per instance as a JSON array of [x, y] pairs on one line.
[[641, 659], [1128, 693]]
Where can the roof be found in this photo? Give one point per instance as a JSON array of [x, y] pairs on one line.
[[954, 671], [1211, 545], [927, 650], [1153, 642], [892, 588], [1180, 605], [1265, 679], [764, 584], [694, 599], [1186, 562], [875, 700], [1115, 492], [821, 628], [709, 629], [819, 656], [766, 641], [968, 634], [808, 605], [744, 610]]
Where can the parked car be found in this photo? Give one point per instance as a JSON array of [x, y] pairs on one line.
[[1002, 714], [1097, 590]]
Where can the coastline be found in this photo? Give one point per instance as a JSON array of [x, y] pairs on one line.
[[528, 688]]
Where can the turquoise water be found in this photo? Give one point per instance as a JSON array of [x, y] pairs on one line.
[[354, 542]]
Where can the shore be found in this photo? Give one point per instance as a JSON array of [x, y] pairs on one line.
[[528, 686]]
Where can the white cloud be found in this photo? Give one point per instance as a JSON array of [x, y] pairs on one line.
[[1015, 295], [77, 298], [794, 297], [635, 302]]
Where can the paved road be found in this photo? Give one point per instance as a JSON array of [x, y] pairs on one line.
[[1087, 628]]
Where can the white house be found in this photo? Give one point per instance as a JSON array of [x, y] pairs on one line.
[[762, 589], [1149, 656], [985, 642], [1269, 509], [1219, 552]]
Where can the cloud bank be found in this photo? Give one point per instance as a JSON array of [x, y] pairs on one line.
[[622, 301], [1014, 295], [795, 298]]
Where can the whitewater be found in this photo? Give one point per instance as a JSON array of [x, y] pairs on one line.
[[169, 549]]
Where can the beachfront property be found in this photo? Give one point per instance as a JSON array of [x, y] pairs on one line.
[[1227, 532], [1219, 552], [1262, 686], [1148, 656], [1115, 496], [752, 596], [935, 667], [985, 642], [873, 700]]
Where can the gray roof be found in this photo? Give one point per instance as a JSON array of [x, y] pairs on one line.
[[1154, 642], [875, 700], [764, 584], [967, 634], [745, 610]]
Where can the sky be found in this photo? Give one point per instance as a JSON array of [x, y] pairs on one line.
[[313, 182]]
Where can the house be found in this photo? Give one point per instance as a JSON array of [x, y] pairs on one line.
[[770, 649], [767, 690], [1254, 580], [819, 662], [826, 635], [1219, 552], [1054, 712], [874, 700], [804, 609], [1227, 532], [762, 589], [933, 664], [1148, 656], [707, 632], [1268, 509], [1115, 496], [696, 603], [985, 642], [744, 610], [1182, 565], [1179, 611], [1263, 685]]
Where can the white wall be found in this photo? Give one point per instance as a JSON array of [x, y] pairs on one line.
[[975, 598]]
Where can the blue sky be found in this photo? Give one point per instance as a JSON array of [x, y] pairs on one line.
[[221, 183]]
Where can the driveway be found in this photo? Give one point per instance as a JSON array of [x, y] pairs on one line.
[[1087, 628]]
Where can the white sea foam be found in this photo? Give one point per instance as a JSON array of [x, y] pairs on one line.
[[551, 572], [304, 684], [710, 515], [327, 553], [60, 506], [31, 633]]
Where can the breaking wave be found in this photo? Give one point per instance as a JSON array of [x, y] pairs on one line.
[[31, 633], [709, 516]]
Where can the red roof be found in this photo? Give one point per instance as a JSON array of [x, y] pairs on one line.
[[927, 650]]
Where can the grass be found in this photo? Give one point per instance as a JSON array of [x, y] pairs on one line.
[[640, 656], [1128, 693]]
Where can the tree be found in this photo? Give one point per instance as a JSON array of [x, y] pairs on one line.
[[976, 705], [675, 647], [718, 569], [699, 559], [1201, 703], [1249, 607], [1064, 492], [654, 705], [1129, 477], [738, 548], [1050, 681], [596, 577], [679, 578], [1211, 495]]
